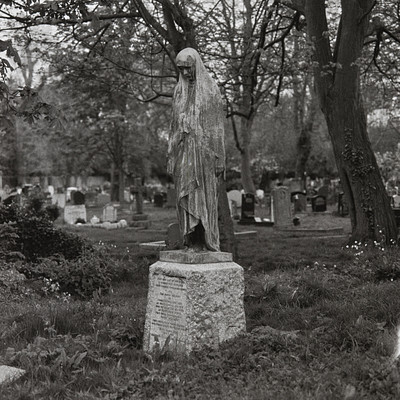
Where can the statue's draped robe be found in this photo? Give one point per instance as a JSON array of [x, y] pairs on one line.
[[196, 150]]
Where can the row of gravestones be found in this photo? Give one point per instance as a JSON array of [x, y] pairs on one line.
[[247, 202], [77, 213], [78, 198], [280, 205]]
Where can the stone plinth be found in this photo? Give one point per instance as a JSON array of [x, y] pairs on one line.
[[194, 300], [74, 213]]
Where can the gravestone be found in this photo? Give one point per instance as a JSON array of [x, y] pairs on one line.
[[295, 185], [282, 214], [235, 202], [248, 206], [158, 199], [318, 203], [174, 238], [171, 197], [343, 208], [91, 199], [299, 200], [103, 199], [137, 190], [396, 201], [109, 213], [74, 213], [59, 199], [195, 296], [187, 308], [78, 198], [51, 190]]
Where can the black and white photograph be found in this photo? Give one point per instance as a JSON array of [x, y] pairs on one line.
[[199, 199]]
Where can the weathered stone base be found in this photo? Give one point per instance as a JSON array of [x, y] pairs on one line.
[[194, 300]]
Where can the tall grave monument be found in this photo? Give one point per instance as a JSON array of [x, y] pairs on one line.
[[195, 295], [281, 209]]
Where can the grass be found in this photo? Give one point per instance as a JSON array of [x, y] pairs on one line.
[[321, 324]]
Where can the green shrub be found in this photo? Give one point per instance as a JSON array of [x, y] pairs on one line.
[[82, 277], [53, 212], [38, 238], [8, 243]]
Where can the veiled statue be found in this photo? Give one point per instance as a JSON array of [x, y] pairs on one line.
[[196, 152]]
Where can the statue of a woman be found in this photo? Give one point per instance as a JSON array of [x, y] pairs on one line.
[[196, 153]]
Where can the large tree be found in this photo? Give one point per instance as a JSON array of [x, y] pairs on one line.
[[337, 77]]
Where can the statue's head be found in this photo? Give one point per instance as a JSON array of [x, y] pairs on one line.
[[186, 63]]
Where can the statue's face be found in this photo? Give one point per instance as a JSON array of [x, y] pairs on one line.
[[187, 68], [187, 73]]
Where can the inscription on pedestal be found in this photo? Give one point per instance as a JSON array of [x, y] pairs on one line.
[[168, 318]]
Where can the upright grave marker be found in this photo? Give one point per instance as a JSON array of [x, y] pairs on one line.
[[74, 214], [195, 296], [282, 213], [109, 213]]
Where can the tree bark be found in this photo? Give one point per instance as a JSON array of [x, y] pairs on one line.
[[337, 78], [247, 179]]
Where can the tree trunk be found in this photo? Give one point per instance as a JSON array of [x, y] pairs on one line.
[[337, 78], [121, 185], [247, 179], [369, 205]]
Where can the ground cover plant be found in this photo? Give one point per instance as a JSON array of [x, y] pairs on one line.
[[322, 323]]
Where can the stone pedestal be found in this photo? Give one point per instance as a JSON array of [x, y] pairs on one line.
[[194, 300], [140, 221]]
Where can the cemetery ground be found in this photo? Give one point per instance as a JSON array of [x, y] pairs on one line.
[[322, 323]]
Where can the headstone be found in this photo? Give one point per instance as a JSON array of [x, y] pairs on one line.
[[78, 198], [174, 239], [282, 215], [343, 208], [59, 199], [299, 200], [74, 213], [158, 199], [236, 196], [194, 300], [139, 195], [140, 221], [94, 220], [295, 185], [103, 199], [50, 189], [396, 201], [248, 206], [171, 197], [318, 203], [109, 213], [91, 199], [323, 191], [195, 297]]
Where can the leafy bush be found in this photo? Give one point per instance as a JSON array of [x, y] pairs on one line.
[[90, 273], [53, 212], [38, 238], [8, 243]]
